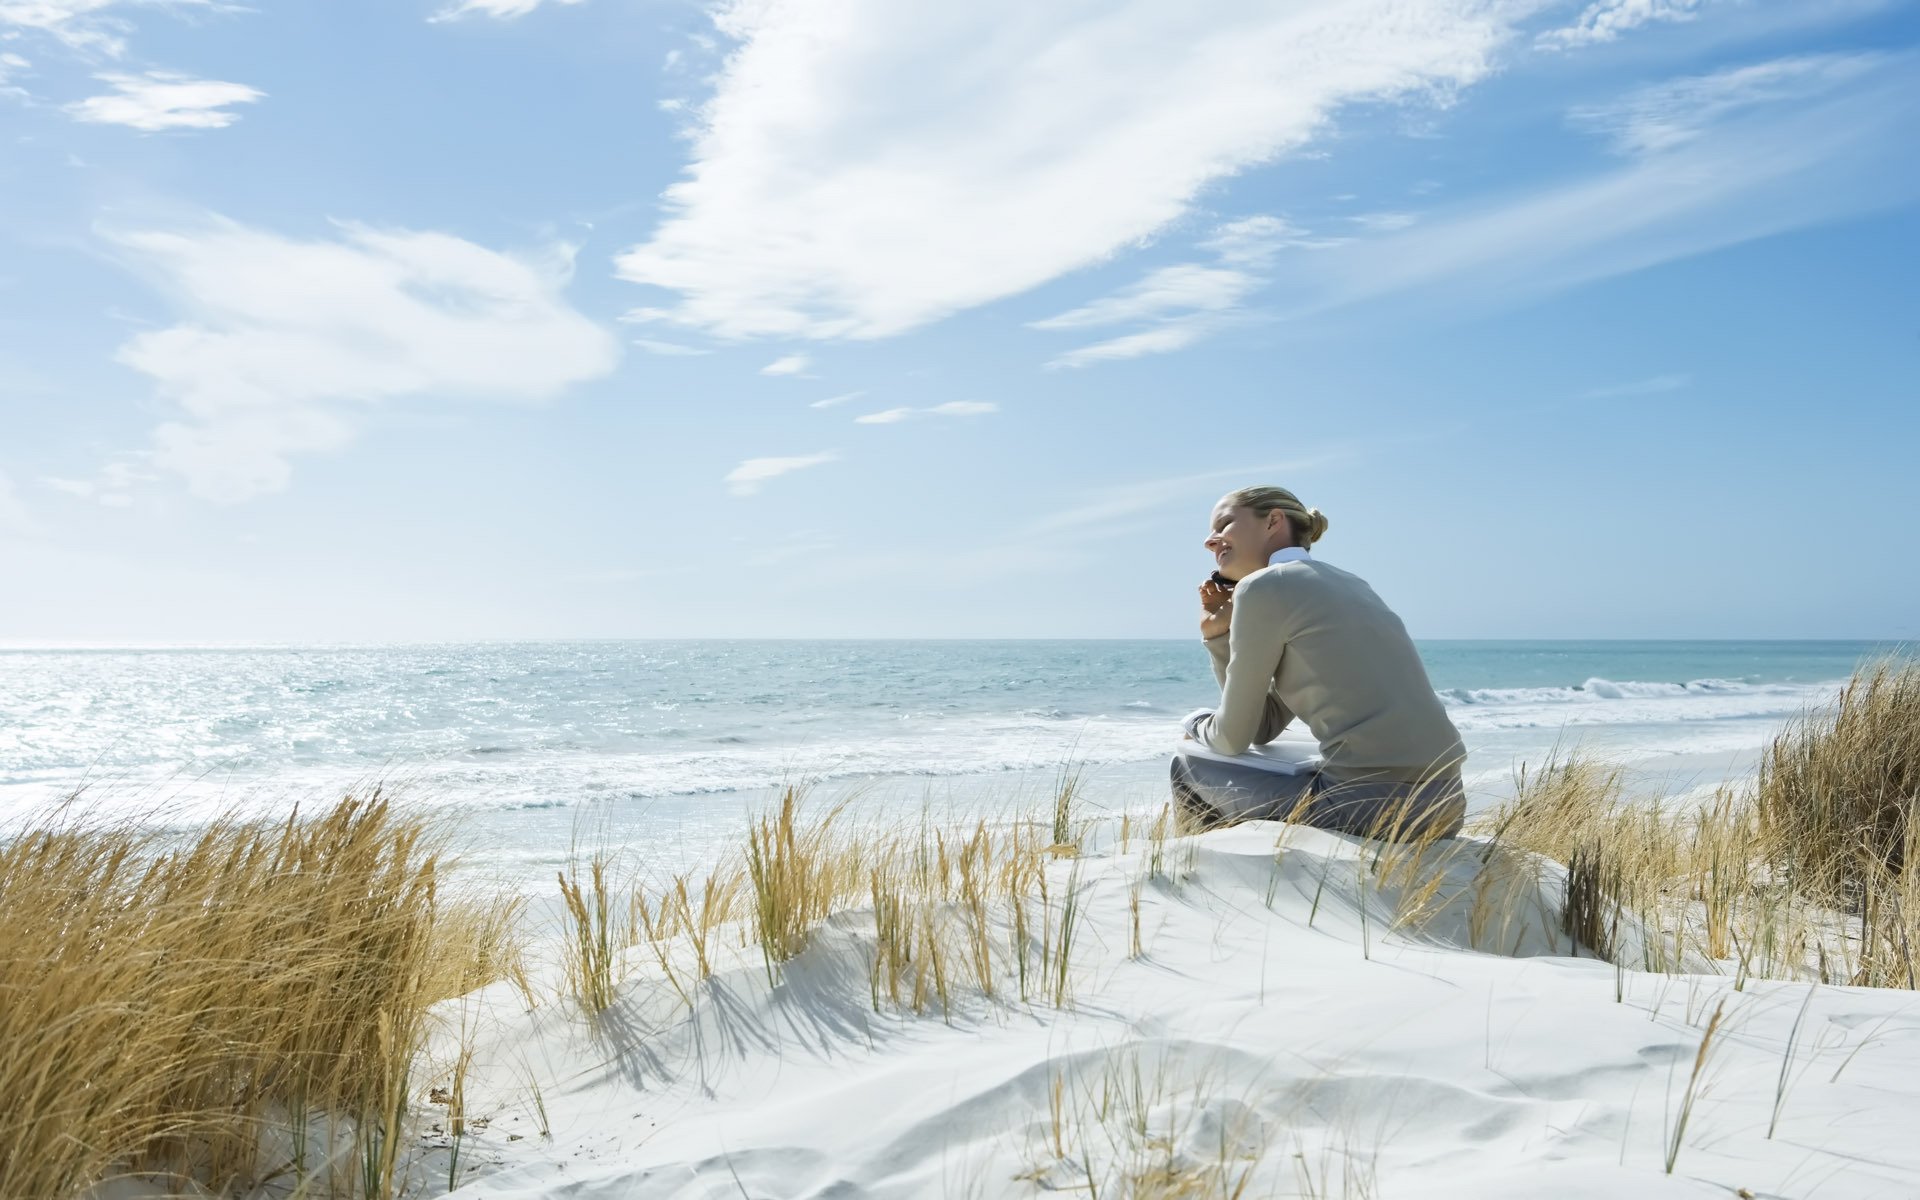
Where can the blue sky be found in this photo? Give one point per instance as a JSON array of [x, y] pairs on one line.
[[357, 320]]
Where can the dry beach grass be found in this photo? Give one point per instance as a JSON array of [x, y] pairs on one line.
[[251, 1003], [185, 1008]]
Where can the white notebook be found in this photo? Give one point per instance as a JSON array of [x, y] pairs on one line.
[[1284, 756]]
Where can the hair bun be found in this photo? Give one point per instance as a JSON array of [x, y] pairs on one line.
[[1316, 525]]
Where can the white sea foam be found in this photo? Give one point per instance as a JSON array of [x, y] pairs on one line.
[[525, 728], [1629, 702]]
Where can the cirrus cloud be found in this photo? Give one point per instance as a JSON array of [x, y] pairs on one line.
[[92, 27], [500, 10], [1605, 20], [1663, 116], [790, 364], [745, 479], [1044, 139]]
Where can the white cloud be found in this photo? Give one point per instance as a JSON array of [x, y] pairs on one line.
[[1641, 387], [791, 364], [1383, 222], [503, 10], [163, 100], [1182, 288], [282, 340], [1255, 241], [89, 26], [113, 485], [819, 206], [1166, 338], [1670, 114], [1184, 303], [952, 408], [11, 65], [669, 349], [745, 479], [832, 401], [1605, 20]]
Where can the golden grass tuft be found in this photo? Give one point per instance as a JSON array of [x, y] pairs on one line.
[[1803, 873], [1837, 789], [797, 878], [169, 1003]]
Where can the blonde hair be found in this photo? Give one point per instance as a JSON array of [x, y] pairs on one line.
[[1309, 524]]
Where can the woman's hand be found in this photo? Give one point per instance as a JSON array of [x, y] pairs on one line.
[[1216, 609]]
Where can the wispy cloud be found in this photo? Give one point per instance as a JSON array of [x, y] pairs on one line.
[[161, 100], [1106, 506], [1670, 114], [1187, 287], [952, 408], [835, 401], [1253, 242], [791, 364], [1605, 20], [817, 207], [1758, 170], [498, 9], [1383, 222], [746, 479], [285, 341], [10, 66], [1174, 335], [95, 28], [113, 486], [1184, 303], [1641, 387], [669, 349]]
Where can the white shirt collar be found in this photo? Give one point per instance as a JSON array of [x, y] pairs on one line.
[[1290, 554]]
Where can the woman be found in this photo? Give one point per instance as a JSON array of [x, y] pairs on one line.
[[1292, 636]]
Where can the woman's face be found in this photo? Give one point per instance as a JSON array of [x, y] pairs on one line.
[[1241, 541]]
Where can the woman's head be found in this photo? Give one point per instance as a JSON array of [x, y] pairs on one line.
[[1249, 526]]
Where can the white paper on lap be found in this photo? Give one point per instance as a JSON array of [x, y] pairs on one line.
[[1279, 757]]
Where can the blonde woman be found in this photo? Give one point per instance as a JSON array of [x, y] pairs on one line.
[[1293, 636]]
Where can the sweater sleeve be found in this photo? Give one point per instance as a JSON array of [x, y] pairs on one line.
[[1249, 713], [1275, 717]]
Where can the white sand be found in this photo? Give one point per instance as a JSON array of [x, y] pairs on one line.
[[1309, 1051]]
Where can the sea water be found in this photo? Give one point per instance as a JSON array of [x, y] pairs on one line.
[[671, 742]]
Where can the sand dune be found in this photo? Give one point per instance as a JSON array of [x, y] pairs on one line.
[[1276, 1035]]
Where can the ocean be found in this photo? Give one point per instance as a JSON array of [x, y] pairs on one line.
[[668, 743]]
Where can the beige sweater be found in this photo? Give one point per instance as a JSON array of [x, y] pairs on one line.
[[1313, 641]]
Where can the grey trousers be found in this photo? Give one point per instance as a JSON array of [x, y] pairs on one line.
[[1221, 793]]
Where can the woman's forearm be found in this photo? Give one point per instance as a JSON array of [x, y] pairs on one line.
[[1249, 713]]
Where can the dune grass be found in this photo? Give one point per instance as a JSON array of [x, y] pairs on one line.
[[1803, 872], [171, 1007], [1837, 789], [168, 1003]]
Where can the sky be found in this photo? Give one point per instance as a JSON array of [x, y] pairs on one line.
[[332, 321]]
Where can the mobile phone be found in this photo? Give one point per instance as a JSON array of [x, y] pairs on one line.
[[1223, 581]]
